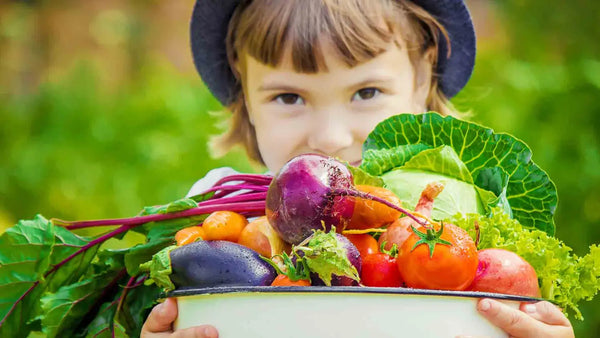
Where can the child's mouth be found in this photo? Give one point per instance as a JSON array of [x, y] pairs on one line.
[[356, 163]]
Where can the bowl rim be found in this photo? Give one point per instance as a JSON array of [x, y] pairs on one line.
[[345, 289]]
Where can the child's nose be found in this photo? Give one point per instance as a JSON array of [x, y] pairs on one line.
[[330, 134]]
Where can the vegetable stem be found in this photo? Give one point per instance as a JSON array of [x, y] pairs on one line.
[[251, 206], [248, 178], [360, 194]]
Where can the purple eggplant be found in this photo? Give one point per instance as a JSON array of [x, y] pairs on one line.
[[218, 263]]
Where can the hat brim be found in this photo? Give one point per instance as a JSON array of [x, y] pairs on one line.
[[208, 31]]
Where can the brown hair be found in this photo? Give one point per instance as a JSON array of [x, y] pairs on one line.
[[266, 28]]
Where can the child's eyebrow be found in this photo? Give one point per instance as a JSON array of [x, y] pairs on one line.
[[381, 80], [279, 87]]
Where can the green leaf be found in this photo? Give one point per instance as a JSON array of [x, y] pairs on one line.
[[64, 309], [29, 250], [104, 324], [24, 258], [377, 161], [362, 177], [178, 205], [160, 268], [530, 194], [136, 307], [442, 160], [325, 255], [159, 235], [457, 196]]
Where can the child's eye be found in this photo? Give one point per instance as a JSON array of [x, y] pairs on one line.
[[366, 94], [289, 98]]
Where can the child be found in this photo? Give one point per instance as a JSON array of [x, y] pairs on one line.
[[317, 76]]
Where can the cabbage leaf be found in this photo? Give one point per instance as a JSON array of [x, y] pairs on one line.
[[497, 163]]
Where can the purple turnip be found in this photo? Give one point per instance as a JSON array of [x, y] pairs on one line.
[[313, 192]]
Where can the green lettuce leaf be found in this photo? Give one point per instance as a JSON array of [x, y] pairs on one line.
[[564, 278], [528, 193], [326, 256], [159, 268]]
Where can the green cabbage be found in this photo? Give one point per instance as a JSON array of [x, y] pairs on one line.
[[486, 162]]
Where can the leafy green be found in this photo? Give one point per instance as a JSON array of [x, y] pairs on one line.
[[439, 164], [362, 177], [54, 281], [325, 255], [104, 324], [529, 193], [565, 278], [160, 268], [64, 308], [30, 250]]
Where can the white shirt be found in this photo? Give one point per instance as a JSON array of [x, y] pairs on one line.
[[210, 179]]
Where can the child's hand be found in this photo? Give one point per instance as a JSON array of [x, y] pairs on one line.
[[541, 319], [160, 324]]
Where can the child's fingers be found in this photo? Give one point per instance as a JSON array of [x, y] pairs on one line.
[[161, 318], [204, 331], [512, 321], [546, 312]]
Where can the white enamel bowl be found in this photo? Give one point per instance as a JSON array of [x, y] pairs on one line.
[[290, 312]]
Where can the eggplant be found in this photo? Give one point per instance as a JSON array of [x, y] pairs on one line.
[[218, 263]]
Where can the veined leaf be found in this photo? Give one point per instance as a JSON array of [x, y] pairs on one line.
[[63, 309], [104, 324], [30, 250], [362, 177], [530, 193], [136, 307]]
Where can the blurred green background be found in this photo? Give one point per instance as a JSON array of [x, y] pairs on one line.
[[102, 113]]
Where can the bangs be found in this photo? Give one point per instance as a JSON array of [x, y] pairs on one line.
[[359, 30]]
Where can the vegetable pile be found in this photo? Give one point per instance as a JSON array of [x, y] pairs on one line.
[[437, 203]]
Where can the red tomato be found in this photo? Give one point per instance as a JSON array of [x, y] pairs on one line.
[[451, 267], [283, 280], [381, 270], [365, 244]]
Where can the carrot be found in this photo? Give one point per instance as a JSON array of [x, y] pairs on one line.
[[371, 214], [224, 225], [189, 235], [283, 280]]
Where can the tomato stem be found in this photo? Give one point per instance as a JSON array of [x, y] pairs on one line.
[[431, 238]]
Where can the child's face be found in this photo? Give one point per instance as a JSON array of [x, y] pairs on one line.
[[330, 112]]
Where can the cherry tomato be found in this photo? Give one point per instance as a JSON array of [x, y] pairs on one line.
[[370, 214], [450, 267], [283, 280], [224, 225], [365, 244], [189, 235], [381, 270]]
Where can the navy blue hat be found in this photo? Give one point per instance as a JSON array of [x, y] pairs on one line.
[[210, 19]]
